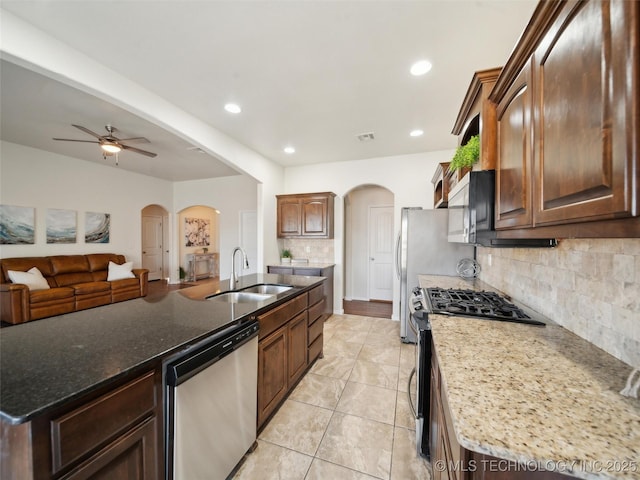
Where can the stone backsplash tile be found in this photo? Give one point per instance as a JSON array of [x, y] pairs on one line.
[[589, 286], [315, 250]]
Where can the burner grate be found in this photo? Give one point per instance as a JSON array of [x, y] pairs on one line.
[[474, 303]]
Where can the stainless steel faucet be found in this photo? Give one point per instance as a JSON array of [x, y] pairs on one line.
[[245, 264]]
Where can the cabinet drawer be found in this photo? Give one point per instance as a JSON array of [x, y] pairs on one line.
[[315, 294], [316, 311], [315, 329], [315, 349], [271, 321], [82, 430]]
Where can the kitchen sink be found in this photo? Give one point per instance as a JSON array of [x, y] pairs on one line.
[[240, 297], [267, 288]]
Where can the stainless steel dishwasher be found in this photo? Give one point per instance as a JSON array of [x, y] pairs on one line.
[[211, 405]]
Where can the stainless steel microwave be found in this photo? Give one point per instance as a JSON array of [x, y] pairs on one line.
[[471, 207]]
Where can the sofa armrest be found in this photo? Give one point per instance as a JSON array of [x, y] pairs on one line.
[[14, 303], [142, 274]]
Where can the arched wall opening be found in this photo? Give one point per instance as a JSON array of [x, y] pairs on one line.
[[198, 242]]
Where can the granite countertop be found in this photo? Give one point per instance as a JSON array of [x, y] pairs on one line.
[[48, 362], [295, 264], [536, 394]]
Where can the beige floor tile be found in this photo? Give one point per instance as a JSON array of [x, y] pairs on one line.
[[384, 355], [338, 347], [374, 403], [381, 339], [406, 463], [407, 355], [333, 366], [377, 374], [386, 326], [272, 462], [321, 470], [297, 426], [403, 379], [358, 443], [319, 390], [354, 322], [349, 335], [404, 417]]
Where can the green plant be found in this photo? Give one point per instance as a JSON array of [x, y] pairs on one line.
[[466, 155], [182, 273], [285, 253]]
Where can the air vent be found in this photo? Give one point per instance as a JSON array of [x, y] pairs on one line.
[[366, 137]]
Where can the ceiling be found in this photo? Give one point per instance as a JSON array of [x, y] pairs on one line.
[[310, 74]]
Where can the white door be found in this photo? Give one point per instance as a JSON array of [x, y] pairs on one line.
[[249, 239], [381, 253], [152, 245]]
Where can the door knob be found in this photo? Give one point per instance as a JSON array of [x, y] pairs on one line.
[[372, 259]]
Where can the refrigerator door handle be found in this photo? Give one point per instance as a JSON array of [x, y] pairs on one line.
[[398, 256]]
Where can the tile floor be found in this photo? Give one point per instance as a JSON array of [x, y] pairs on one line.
[[349, 417]]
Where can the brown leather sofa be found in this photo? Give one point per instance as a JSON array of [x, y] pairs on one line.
[[77, 282]]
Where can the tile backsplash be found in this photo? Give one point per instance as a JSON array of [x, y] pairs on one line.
[[589, 286], [315, 250]]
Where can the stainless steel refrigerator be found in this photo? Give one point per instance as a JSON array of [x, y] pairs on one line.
[[422, 248]]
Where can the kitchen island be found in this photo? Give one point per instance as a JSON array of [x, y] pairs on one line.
[[535, 398], [81, 372]]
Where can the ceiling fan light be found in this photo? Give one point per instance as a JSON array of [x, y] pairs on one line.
[[110, 147]]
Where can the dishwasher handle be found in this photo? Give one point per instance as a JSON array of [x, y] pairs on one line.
[[193, 362]]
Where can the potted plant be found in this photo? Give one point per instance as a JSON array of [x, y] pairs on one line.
[[466, 155], [182, 274], [285, 256]]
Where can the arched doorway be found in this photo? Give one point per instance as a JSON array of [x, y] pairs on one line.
[[155, 241], [369, 244]]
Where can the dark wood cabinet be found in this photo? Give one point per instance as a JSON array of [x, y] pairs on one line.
[[272, 372], [568, 124], [116, 434], [514, 159], [307, 215], [283, 350]]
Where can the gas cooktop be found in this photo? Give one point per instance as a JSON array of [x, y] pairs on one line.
[[474, 303]]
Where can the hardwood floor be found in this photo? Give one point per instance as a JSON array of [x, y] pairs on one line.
[[376, 308]]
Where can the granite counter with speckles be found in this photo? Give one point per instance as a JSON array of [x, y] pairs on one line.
[[48, 362], [536, 394]]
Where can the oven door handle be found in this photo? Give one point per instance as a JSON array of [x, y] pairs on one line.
[[411, 405]]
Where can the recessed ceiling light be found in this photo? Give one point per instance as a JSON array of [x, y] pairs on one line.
[[421, 67], [416, 133], [232, 108], [289, 150]]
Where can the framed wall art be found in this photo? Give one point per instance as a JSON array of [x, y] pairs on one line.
[[17, 225], [197, 232], [62, 226], [97, 227]]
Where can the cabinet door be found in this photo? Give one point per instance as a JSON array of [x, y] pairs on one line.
[[289, 217], [315, 215], [272, 372], [513, 169], [297, 347], [133, 456], [586, 78]]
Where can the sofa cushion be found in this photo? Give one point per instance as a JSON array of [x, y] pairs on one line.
[[118, 272], [91, 287], [52, 294], [69, 264], [125, 283], [22, 264], [100, 261], [33, 279]]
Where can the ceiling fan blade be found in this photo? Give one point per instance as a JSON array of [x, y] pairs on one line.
[[73, 140], [134, 139], [137, 150], [86, 130]]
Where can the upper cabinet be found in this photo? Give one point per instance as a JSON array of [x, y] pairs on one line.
[[568, 123], [308, 215]]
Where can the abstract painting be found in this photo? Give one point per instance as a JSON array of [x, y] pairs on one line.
[[196, 232], [96, 227], [61, 226], [17, 225]]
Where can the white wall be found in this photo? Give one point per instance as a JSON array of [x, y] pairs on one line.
[[408, 177], [229, 195], [34, 178]]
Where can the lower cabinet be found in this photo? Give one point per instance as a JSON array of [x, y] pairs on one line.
[[287, 346], [116, 435]]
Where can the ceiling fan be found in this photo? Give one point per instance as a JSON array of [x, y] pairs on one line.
[[109, 143]]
